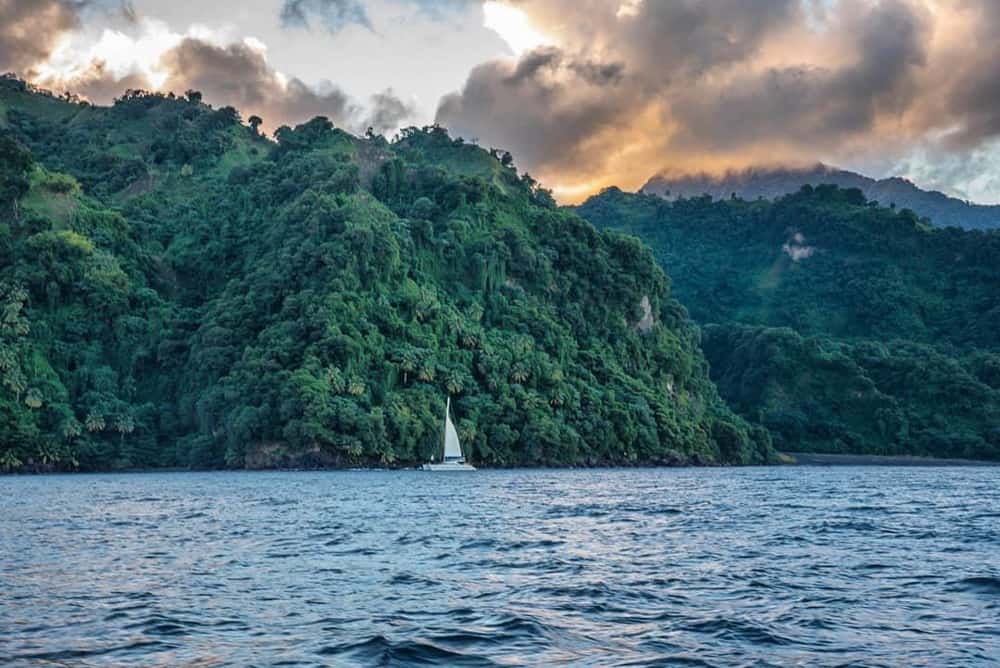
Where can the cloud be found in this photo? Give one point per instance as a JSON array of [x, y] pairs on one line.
[[547, 106], [30, 31], [799, 105], [335, 15], [583, 110], [239, 75], [146, 54], [628, 89], [387, 112], [620, 89]]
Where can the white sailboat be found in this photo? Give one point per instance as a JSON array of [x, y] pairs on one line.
[[453, 459]]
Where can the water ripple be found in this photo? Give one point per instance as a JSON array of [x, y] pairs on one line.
[[755, 567]]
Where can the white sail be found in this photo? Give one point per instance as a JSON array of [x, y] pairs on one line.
[[452, 449]]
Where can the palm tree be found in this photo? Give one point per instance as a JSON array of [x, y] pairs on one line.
[[427, 371], [454, 383], [124, 424], [94, 422]]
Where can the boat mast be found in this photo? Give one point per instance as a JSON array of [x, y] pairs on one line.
[[444, 433]]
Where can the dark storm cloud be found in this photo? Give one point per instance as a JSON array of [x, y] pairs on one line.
[[812, 104], [335, 15], [239, 76], [545, 106], [694, 36]]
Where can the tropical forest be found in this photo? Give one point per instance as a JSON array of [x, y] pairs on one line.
[[839, 324], [178, 290]]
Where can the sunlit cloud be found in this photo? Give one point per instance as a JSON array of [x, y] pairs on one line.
[[585, 93], [514, 27], [119, 53]]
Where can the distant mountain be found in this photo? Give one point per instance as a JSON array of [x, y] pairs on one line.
[[838, 325], [769, 183]]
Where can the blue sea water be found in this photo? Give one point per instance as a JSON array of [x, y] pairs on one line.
[[702, 567]]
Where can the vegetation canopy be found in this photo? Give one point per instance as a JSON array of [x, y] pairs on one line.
[[839, 325], [177, 290]]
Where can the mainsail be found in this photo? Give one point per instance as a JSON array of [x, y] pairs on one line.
[[452, 450]]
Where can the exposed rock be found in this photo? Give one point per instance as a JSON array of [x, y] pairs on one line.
[[647, 322]]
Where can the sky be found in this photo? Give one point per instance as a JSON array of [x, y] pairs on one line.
[[584, 93]]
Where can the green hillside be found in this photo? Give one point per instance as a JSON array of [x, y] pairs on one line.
[[841, 326], [180, 291]]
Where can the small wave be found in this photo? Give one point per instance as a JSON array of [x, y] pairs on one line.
[[478, 544], [124, 523], [326, 536], [741, 630], [411, 579], [273, 502], [847, 525], [674, 660], [979, 585], [649, 509], [586, 510], [529, 544], [868, 509], [361, 551], [140, 595], [872, 567], [66, 656], [379, 650], [586, 591]]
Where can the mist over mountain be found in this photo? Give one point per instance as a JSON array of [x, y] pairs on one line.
[[773, 182]]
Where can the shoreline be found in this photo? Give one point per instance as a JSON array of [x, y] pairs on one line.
[[820, 459], [788, 459]]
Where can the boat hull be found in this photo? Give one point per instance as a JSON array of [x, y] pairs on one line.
[[449, 466]]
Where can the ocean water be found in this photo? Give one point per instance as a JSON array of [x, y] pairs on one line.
[[701, 567]]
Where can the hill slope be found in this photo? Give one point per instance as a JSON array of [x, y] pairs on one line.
[[842, 326], [180, 291], [770, 183]]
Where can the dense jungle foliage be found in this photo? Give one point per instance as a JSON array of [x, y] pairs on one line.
[[177, 290], [839, 325]]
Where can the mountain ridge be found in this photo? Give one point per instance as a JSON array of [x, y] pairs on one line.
[[773, 182], [841, 326]]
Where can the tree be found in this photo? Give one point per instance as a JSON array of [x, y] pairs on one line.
[[15, 165]]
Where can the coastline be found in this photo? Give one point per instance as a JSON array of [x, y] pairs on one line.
[[819, 459], [788, 459]]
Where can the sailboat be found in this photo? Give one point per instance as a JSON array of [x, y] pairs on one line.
[[453, 459]]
